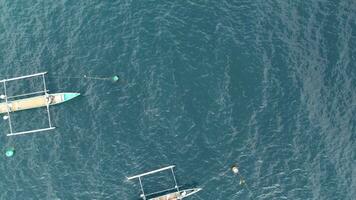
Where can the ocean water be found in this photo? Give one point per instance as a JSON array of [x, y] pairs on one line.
[[270, 85]]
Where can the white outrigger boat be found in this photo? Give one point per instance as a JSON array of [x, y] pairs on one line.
[[173, 193], [13, 103]]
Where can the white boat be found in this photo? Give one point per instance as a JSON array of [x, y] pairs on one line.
[[169, 194], [177, 195], [15, 103], [36, 102]]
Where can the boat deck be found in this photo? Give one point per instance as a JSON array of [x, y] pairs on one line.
[[171, 196], [29, 103]]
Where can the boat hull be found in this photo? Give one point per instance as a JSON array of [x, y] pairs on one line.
[[177, 195], [36, 102]]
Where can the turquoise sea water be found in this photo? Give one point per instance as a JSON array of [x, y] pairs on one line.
[[270, 85]]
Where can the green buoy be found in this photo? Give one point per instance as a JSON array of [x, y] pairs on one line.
[[10, 152], [115, 78]]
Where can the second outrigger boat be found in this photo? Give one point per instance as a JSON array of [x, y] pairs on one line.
[[173, 193], [16, 103], [177, 195]]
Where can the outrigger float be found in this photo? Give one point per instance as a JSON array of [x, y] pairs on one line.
[[173, 193], [13, 103]]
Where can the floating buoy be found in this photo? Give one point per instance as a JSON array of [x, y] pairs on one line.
[[10, 152], [235, 169], [115, 78]]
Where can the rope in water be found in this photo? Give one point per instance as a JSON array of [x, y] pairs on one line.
[[112, 78]]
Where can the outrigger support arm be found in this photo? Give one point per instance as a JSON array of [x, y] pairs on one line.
[[7, 105], [175, 180], [22, 77], [47, 96], [151, 172], [32, 131], [143, 192]]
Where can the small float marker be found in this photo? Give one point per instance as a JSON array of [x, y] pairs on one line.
[[115, 78], [235, 169], [10, 152]]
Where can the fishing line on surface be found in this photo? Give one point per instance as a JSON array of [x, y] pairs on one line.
[[114, 78]]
